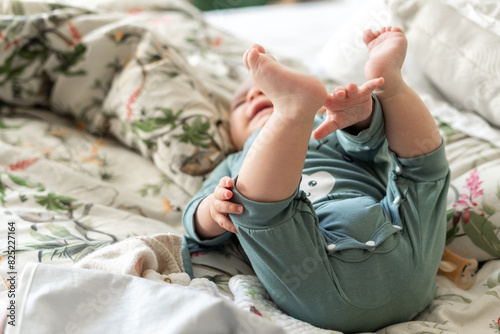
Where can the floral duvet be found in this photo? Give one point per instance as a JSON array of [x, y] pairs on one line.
[[111, 115]]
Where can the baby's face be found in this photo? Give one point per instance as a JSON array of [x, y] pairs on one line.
[[250, 110]]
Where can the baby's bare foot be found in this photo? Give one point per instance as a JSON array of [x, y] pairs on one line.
[[349, 106], [387, 49], [293, 94]]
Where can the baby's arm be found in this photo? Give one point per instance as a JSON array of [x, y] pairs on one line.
[[197, 217]]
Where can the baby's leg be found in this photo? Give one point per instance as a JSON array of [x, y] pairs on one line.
[[273, 166], [411, 130]]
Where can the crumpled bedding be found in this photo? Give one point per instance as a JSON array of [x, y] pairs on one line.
[[157, 78], [94, 301]]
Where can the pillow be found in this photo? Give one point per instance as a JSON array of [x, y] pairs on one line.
[[159, 106], [457, 44], [344, 55]]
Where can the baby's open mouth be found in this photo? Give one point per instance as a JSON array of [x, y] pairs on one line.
[[260, 106]]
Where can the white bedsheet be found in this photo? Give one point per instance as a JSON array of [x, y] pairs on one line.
[[58, 299]]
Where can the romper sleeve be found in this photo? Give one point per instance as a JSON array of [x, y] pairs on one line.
[[368, 143], [208, 187]]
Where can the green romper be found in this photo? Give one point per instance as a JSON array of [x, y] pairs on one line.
[[357, 247]]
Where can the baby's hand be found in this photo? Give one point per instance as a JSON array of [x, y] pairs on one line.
[[348, 106], [220, 206]]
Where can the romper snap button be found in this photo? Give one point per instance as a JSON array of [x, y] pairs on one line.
[[331, 247], [397, 227]]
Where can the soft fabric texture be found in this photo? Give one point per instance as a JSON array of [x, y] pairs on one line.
[[58, 299], [158, 258], [457, 44]]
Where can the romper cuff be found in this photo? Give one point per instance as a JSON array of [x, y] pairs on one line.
[[257, 215], [369, 137], [429, 167]]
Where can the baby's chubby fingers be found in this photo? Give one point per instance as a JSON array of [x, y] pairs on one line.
[[369, 86], [224, 206], [339, 93], [222, 195], [225, 223], [328, 126], [226, 182], [222, 191]]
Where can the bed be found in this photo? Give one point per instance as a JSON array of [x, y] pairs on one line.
[[112, 113]]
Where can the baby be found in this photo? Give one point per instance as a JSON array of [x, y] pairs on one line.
[[346, 228]]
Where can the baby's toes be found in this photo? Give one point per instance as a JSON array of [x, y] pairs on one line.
[[245, 59], [252, 58], [369, 35], [259, 48]]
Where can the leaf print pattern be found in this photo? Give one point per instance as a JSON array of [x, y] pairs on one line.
[[472, 213], [56, 203], [154, 123], [58, 241], [496, 325], [196, 134]]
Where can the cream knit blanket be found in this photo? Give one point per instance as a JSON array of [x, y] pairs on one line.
[[156, 257]]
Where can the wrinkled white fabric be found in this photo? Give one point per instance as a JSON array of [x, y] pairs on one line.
[[57, 299]]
